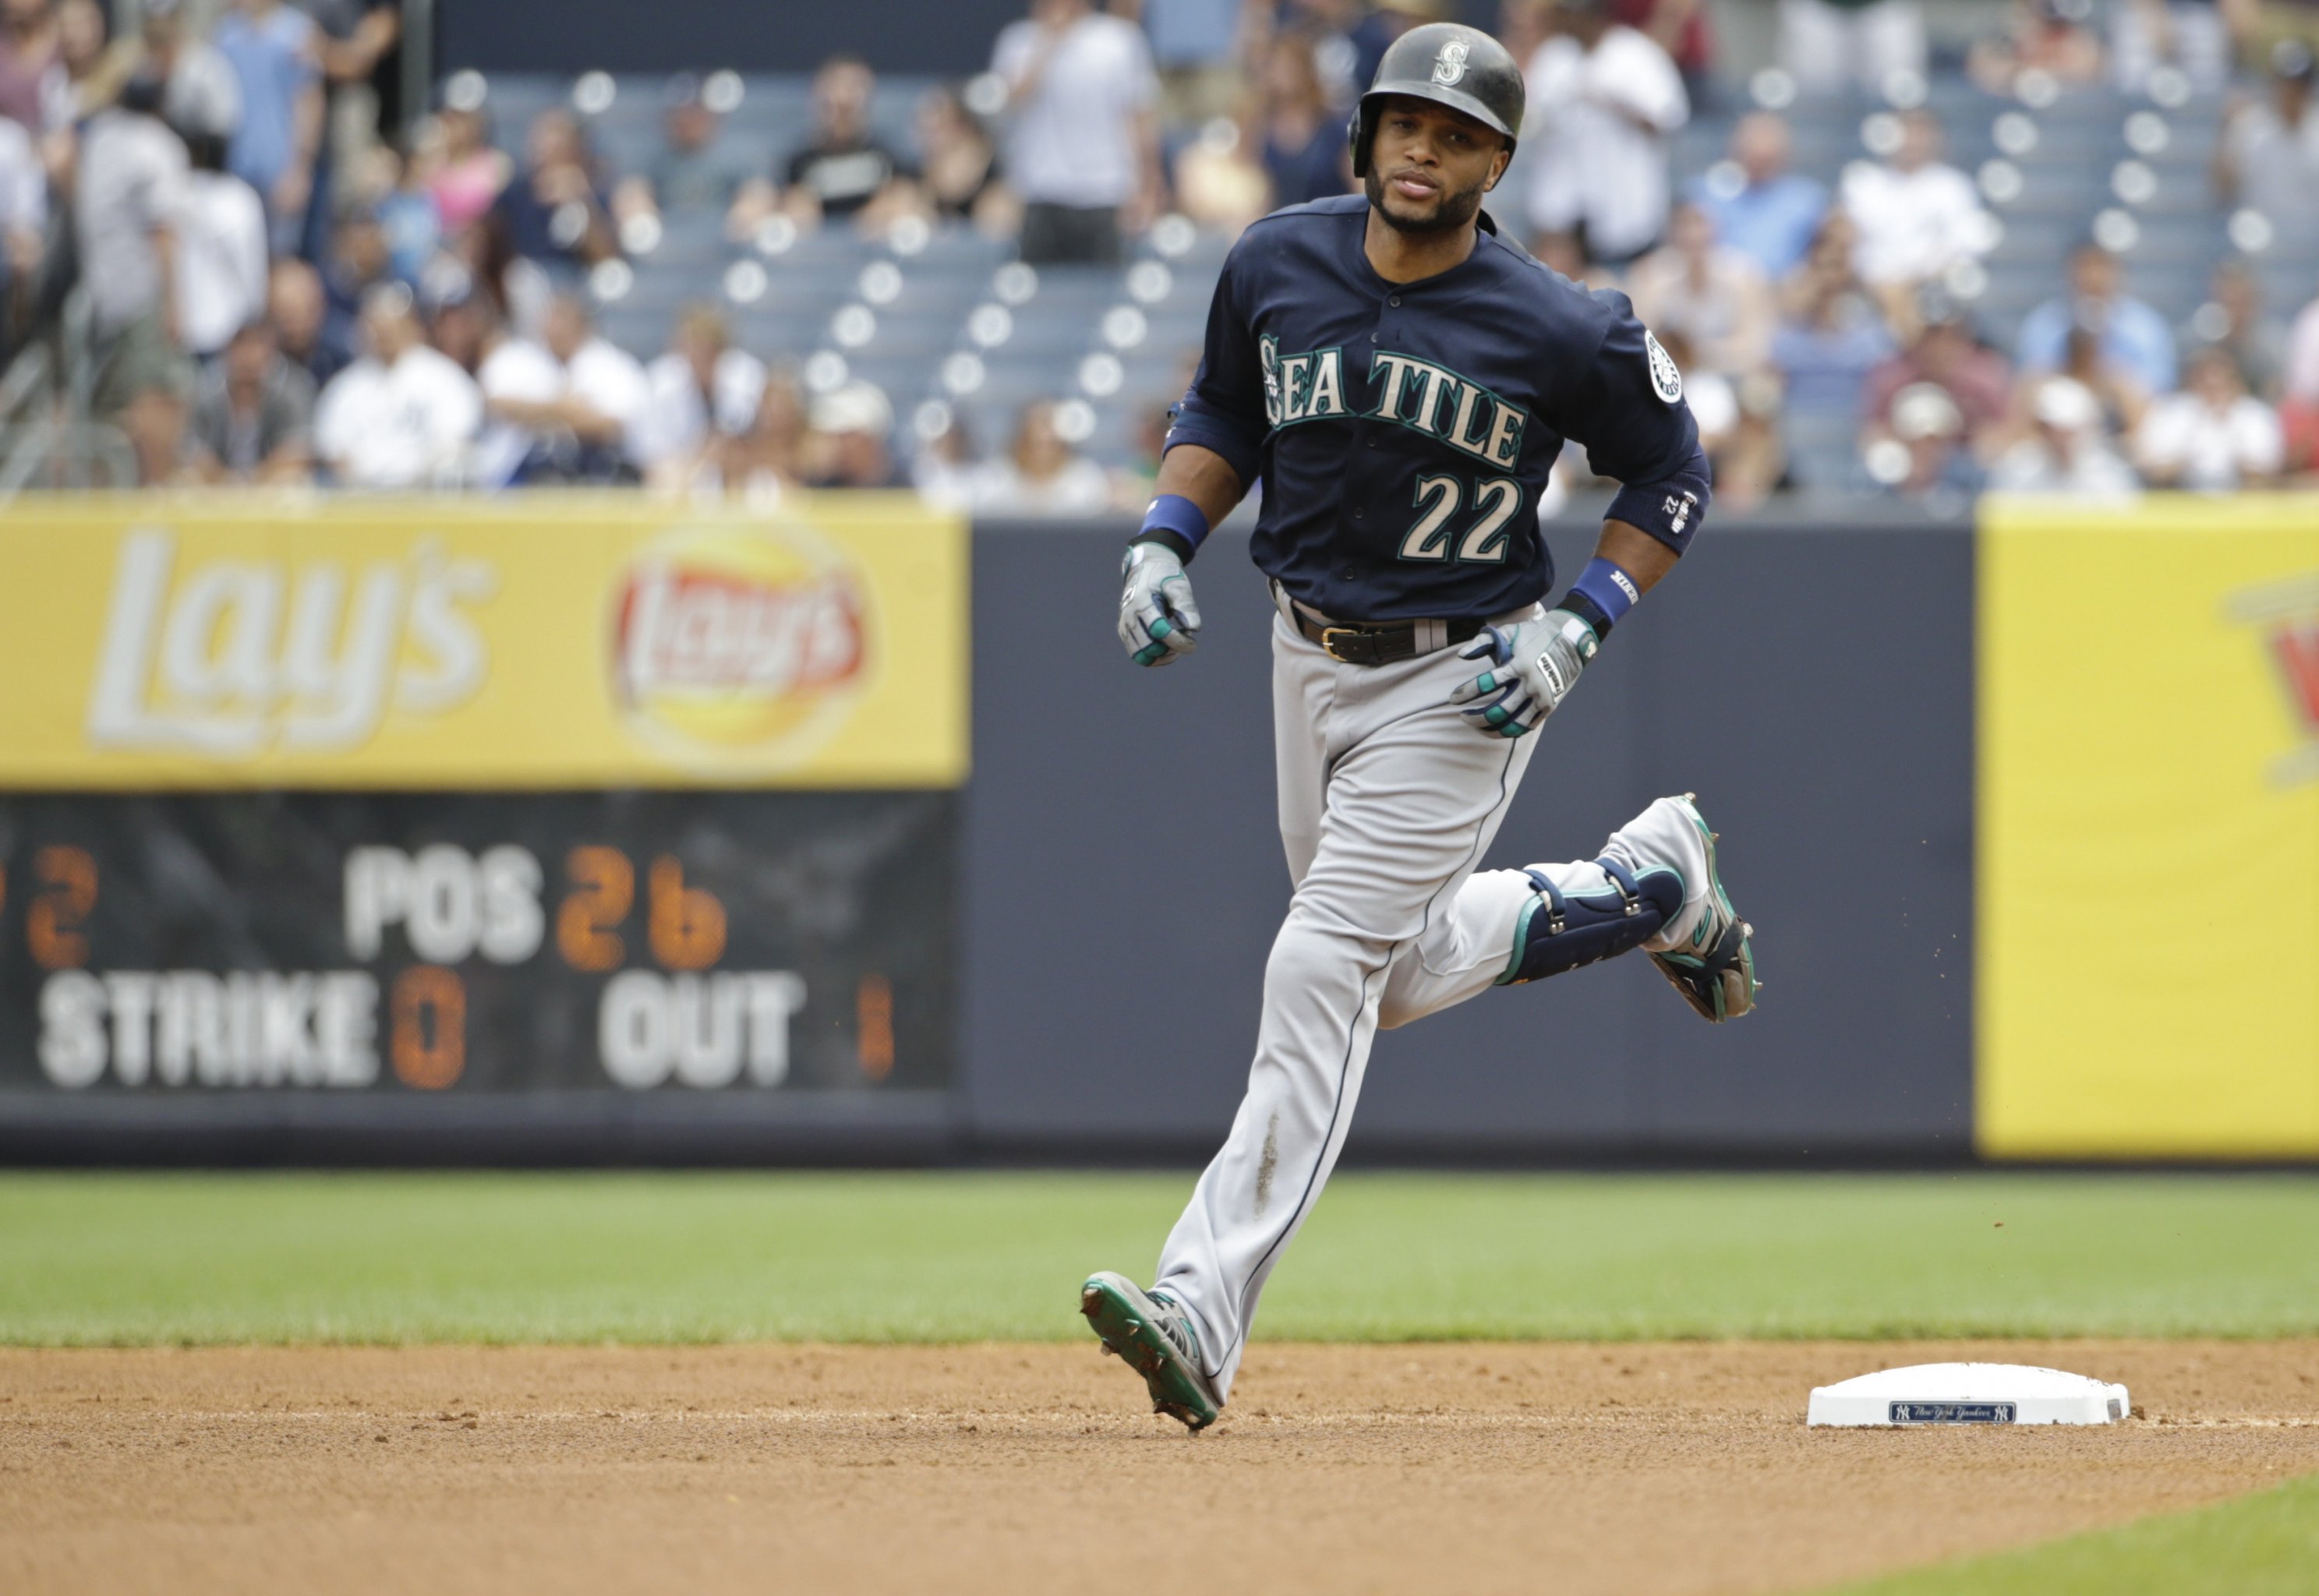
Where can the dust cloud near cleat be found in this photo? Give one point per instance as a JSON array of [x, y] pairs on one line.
[[1716, 974], [1155, 1340]]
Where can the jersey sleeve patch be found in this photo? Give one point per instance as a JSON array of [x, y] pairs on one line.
[[1666, 381]]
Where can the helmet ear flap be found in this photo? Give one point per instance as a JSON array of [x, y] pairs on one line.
[[1358, 132]]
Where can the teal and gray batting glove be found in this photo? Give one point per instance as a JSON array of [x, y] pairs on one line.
[[1532, 667], [1157, 618]]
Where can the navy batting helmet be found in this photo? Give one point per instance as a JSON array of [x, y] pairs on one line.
[[1450, 65]]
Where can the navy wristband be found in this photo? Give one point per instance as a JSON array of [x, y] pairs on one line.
[[1609, 589], [1176, 521], [1579, 604]]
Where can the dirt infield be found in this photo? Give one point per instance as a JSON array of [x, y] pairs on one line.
[[1627, 1468]]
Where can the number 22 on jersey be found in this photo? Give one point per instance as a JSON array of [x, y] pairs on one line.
[[1483, 539]]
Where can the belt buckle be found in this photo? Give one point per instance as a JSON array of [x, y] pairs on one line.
[[1330, 648]]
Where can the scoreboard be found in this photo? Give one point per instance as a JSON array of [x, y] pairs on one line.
[[637, 941]]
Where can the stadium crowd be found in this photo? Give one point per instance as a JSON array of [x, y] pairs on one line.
[[271, 274]]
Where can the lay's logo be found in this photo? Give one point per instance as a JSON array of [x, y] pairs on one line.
[[734, 641], [2287, 613]]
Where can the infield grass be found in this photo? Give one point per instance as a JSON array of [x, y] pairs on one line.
[[2263, 1545], [121, 1259]]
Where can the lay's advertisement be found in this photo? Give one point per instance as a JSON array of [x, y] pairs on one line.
[[2148, 948], [435, 645]]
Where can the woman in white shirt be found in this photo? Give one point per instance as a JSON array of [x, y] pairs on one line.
[[1042, 475], [2211, 436]]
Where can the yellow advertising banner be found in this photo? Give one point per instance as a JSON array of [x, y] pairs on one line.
[[608, 640], [2148, 947]]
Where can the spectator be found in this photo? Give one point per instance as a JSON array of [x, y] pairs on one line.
[[1831, 336], [28, 50], [84, 77], [299, 311], [404, 414], [128, 212], [847, 448], [2130, 334], [1758, 206], [958, 177], [943, 469], [467, 173], [1933, 414], [2047, 36], [2213, 437], [359, 261], [694, 172], [1917, 214], [1715, 297], [1827, 45], [2121, 394], [2066, 450], [1678, 27], [1219, 183], [1197, 46], [772, 459], [221, 257], [555, 210], [409, 223], [1302, 141], [361, 74], [1944, 355], [275, 52], [1566, 253], [2234, 319], [1921, 451], [24, 221], [2197, 38], [2268, 159], [845, 168], [565, 409], [1041, 474], [700, 396], [2301, 377], [1603, 100], [202, 93], [1084, 152], [253, 415]]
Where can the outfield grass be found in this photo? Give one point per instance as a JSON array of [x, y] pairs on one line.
[[2264, 1545], [127, 1260]]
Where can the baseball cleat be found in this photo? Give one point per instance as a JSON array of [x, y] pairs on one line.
[[1716, 973], [1155, 1338]]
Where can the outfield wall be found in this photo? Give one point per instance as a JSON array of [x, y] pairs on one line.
[[605, 830]]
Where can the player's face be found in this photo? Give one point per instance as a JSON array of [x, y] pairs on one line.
[[1430, 166]]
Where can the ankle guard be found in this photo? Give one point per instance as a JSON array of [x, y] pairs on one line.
[[1561, 931]]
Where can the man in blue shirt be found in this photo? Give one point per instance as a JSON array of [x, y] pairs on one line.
[[2134, 338], [1760, 208], [275, 54]]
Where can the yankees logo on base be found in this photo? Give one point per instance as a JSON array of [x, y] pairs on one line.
[[1401, 378]]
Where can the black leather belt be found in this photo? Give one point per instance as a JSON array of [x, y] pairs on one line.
[[1385, 643]]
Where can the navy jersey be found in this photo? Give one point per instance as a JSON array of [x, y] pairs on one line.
[[1403, 432]]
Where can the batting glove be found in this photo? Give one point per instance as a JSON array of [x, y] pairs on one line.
[[1158, 620], [1533, 666]]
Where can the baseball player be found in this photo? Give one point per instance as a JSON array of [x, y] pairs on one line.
[[1401, 378]]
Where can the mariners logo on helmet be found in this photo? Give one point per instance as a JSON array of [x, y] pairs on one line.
[[1449, 64]]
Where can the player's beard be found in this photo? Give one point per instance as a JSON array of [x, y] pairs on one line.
[[1454, 210]]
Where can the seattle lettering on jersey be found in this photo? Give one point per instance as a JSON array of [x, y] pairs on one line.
[[1419, 394]]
